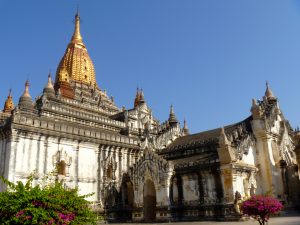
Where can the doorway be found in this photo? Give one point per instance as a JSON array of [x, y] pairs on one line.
[[149, 201]]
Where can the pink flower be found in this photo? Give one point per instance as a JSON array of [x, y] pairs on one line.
[[51, 221], [260, 207], [19, 214]]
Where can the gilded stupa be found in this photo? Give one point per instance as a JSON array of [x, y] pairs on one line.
[[76, 64], [9, 104]]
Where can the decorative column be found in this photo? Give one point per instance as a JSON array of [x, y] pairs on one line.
[[124, 157], [46, 146], [76, 164], [114, 163], [218, 183], [136, 156], [283, 177], [226, 157], [201, 187], [13, 142], [118, 149], [105, 150], [99, 154]]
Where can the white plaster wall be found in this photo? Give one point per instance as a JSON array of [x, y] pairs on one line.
[[87, 171], [190, 188], [211, 188], [250, 157], [238, 185], [33, 154]]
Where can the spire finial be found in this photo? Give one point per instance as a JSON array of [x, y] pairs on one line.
[[77, 11], [137, 97], [76, 38], [184, 124], [49, 84], [269, 93], [172, 118], [9, 92], [141, 97], [26, 92], [185, 128]]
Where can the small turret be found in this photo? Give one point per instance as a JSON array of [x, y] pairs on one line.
[[255, 110], [9, 104], [137, 98], [172, 118], [63, 85], [25, 100], [269, 94], [142, 97], [223, 141], [185, 128], [49, 89]]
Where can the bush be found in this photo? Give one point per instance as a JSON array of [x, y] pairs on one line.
[[49, 204], [261, 207]]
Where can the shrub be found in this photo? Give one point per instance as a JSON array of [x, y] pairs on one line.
[[261, 207], [49, 204]]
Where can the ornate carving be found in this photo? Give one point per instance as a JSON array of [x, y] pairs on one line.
[[62, 162]]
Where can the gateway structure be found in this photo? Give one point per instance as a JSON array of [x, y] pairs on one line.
[[138, 168]]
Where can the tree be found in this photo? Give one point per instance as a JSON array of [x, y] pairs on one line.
[[261, 207], [48, 204]]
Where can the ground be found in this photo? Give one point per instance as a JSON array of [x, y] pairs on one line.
[[288, 220], [291, 217]]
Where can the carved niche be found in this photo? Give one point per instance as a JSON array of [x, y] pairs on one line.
[[62, 162]]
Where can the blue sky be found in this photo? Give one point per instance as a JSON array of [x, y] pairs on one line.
[[208, 58]]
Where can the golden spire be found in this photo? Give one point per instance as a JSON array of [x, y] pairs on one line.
[[76, 60], [76, 38], [9, 104]]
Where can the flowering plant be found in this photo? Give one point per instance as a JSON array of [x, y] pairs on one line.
[[261, 207], [47, 205]]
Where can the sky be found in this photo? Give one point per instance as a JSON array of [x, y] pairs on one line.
[[208, 58]]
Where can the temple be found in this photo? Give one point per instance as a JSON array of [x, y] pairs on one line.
[[138, 168]]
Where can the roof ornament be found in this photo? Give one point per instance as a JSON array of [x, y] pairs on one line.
[[9, 104], [26, 91], [142, 97], [269, 93], [137, 98], [223, 138], [172, 118], [49, 84], [26, 100], [49, 89], [185, 128], [77, 38], [254, 103]]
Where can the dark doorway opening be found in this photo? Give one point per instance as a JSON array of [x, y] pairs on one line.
[[149, 201]]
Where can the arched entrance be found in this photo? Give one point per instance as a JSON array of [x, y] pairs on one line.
[[127, 194], [149, 201]]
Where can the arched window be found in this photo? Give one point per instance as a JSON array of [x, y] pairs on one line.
[[109, 172], [61, 168]]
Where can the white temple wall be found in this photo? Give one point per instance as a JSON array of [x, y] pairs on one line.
[[250, 157], [190, 187]]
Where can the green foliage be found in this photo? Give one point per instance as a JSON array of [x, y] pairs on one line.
[[43, 204]]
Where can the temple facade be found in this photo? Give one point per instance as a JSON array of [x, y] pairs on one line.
[[138, 168]]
